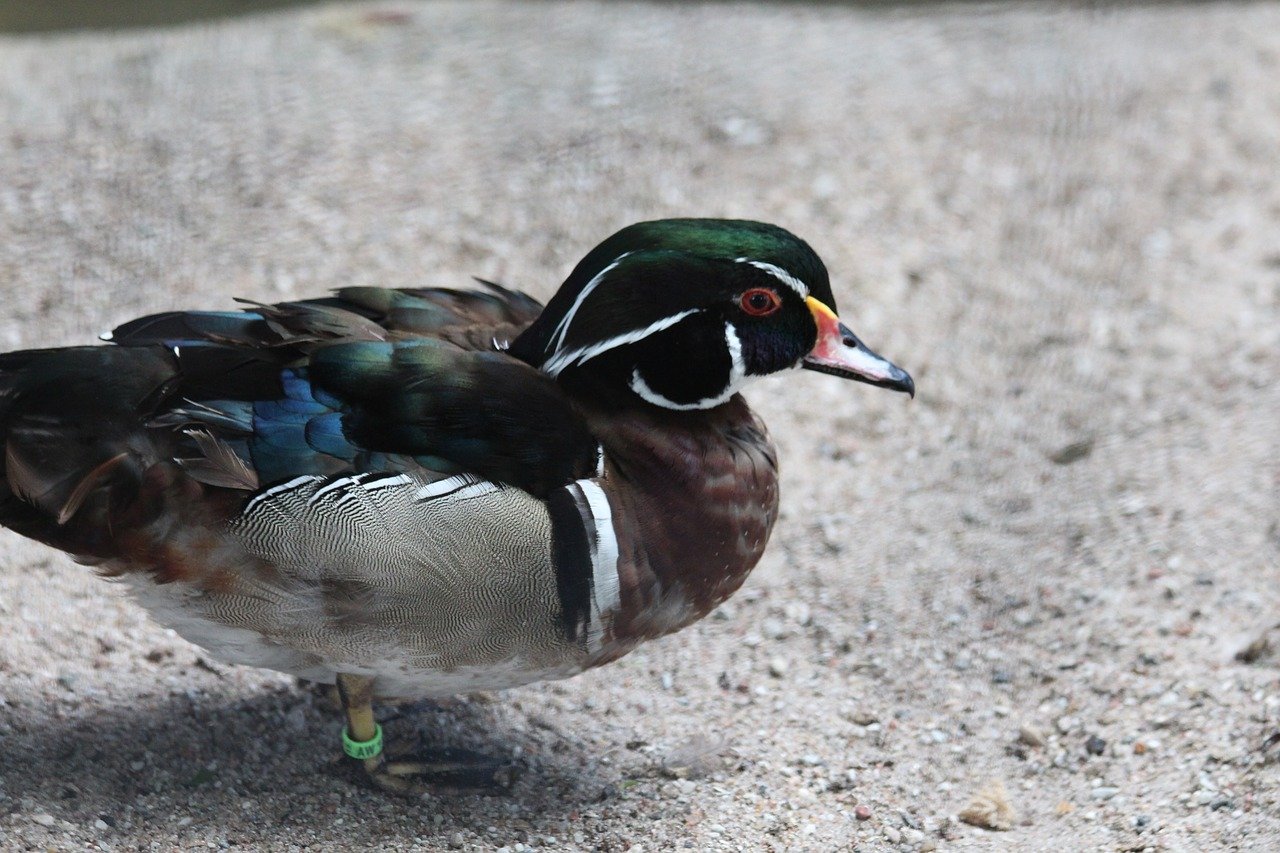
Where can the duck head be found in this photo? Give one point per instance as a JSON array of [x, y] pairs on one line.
[[681, 313]]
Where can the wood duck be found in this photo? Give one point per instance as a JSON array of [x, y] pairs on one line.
[[427, 492]]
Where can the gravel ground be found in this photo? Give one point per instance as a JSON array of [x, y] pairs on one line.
[[1018, 600]]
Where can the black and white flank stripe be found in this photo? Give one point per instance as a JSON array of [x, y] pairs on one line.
[[448, 539]]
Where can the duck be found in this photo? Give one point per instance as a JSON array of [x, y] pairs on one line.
[[425, 492]]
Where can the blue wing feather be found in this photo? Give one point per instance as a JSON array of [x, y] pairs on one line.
[[324, 434], [367, 380]]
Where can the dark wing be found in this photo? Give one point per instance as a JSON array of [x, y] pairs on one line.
[[366, 380], [460, 317], [452, 315], [483, 413]]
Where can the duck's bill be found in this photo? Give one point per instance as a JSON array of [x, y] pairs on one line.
[[840, 353]]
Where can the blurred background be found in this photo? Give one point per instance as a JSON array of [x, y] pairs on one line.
[[55, 15], [1045, 587]]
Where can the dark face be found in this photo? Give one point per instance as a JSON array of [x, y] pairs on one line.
[[682, 313]]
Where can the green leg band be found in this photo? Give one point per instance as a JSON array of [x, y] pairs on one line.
[[363, 748]]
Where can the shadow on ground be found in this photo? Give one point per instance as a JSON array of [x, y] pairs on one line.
[[186, 766]]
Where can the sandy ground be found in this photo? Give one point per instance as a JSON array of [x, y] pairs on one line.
[[1063, 221]]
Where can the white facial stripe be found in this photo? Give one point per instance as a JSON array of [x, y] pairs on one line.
[[780, 274], [736, 379], [737, 367], [562, 328], [558, 362], [605, 588]]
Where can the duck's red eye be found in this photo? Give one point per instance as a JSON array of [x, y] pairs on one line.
[[760, 302]]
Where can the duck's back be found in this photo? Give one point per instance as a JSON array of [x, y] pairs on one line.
[[272, 484], [224, 396]]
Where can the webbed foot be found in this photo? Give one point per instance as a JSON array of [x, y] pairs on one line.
[[410, 773]]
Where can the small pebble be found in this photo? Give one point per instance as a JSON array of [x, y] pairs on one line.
[[777, 667], [990, 808], [1030, 735], [296, 719], [862, 813], [798, 612], [43, 819], [1095, 745], [1104, 792], [773, 629], [455, 841], [694, 758], [892, 835]]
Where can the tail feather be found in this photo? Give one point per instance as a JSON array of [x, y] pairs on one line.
[[72, 436]]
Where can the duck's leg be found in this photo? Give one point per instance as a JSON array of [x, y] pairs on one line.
[[407, 775]]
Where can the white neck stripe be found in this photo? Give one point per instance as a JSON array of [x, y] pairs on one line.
[[562, 328], [736, 379], [780, 274], [558, 362], [605, 585]]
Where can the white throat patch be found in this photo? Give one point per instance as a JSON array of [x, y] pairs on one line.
[[736, 379]]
